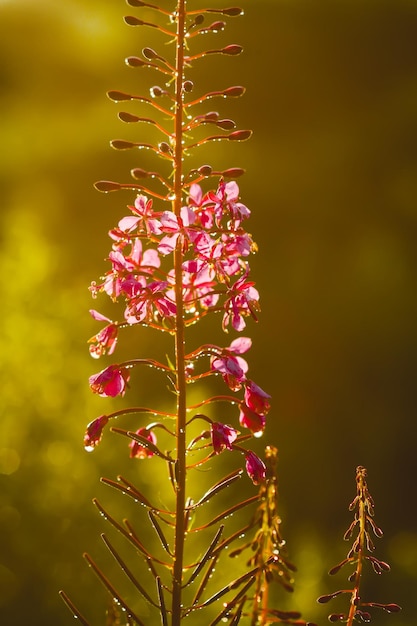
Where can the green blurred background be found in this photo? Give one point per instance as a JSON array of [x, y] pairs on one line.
[[332, 185]]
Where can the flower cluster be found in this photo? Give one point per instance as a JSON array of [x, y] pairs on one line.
[[215, 277], [209, 230]]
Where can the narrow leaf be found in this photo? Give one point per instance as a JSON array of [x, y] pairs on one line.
[[229, 605], [222, 484], [206, 556], [251, 575], [159, 532], [127, 571], [204, 581], [228, 513], [114, 594], [73, 609], [162, 606], [133, 493]]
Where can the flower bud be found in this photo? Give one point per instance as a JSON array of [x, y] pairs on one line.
[[139, 173], [226, 124], [188, 86], [106, 185], [121, 144], [240, 135], [135, 62], [233, 172], [149, 54], [205, 170], [233, 49], [234, 92], [131, 20], [118, 96]]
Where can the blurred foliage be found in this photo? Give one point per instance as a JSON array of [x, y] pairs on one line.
[[332, 185]]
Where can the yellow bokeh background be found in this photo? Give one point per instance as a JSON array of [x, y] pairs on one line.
[[332, 185]]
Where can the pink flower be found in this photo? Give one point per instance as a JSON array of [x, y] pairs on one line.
[[198, 285], [150, 300], [242, 302], [105, 341], [111, 381], [256, 398], [255, 422], [175, 226], [94, 432], [222, 437], [226, 204], [232, 367], [139, 451], [255, 468]]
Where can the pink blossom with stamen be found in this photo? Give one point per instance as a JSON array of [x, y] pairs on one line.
[[111, 381], [222, 437]]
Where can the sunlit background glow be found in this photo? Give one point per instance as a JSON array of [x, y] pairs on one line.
[[332, 185]]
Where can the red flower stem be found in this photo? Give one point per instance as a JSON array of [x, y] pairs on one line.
[[180, 473]]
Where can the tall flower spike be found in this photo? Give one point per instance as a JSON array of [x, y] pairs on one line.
[[269, 551], [358, 556], [181, 253]]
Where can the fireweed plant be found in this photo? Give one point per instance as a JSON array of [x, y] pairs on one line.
[[359, 555], [180, 254]]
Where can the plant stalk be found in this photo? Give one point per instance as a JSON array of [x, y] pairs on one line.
[[180, 472]]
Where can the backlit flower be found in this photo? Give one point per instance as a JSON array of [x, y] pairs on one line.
[[139, 450], [111, 381], [256, 398], [255, 422], [222, 437], [255, 467], [105, 341], [94, 432]]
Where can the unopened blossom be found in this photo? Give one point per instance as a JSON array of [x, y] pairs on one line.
[[255, 467], [222, 437], [256, 398], [111, 381], [105, 341], [255, 422], [138, 450], [94, 432]]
